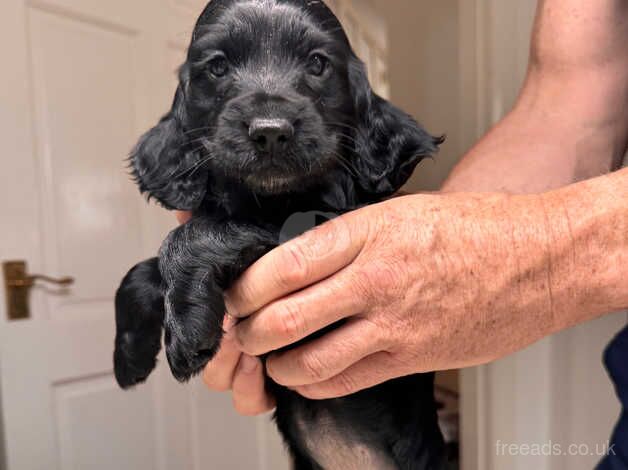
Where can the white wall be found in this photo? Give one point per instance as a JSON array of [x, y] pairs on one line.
[[424, 69]]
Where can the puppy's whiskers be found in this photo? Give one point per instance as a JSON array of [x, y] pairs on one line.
[[345, 164], [352, 140], [194, 168], [200, 129], [342, 124], [194, 141], [255, 198]]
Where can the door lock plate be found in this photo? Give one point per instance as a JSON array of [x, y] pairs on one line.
[[18, 284], [17, 289]]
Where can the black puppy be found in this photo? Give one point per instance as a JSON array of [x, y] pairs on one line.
[[274, 115]]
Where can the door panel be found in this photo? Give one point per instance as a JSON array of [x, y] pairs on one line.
[[240, 444], [85, 191], [132, 16], [82, 429], [74, 416]]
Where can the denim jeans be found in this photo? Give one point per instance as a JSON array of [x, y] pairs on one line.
[[616, 360]]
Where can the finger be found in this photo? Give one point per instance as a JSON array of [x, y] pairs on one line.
[[297, 264], [249, 392], [219, 372], [296, 317], [326, 357], [182, 216], [370, 371]]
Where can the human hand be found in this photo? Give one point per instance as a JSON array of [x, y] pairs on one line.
[[423, 283], [182, 216], [235, 371], [243, 374]]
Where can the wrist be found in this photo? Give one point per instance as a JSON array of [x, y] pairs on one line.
[[587, 232], [494, 249]]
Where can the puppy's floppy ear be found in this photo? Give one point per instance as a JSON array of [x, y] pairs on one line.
[[389, 143], [165, 167]]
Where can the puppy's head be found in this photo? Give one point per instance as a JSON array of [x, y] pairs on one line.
[[273, 98]]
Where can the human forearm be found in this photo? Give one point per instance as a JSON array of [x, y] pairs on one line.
[[571, 120], [529, 265], [549, 261], [532, 151]]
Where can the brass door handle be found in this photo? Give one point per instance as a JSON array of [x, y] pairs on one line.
[[29, 281], [18, 283]]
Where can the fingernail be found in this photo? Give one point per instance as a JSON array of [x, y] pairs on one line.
[[248, 364], [229, 306], [229, 323]]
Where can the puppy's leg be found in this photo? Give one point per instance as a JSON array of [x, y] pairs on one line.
[[139, 320], [199, 261]]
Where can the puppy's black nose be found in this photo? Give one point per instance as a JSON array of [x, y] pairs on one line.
[[270, 134]]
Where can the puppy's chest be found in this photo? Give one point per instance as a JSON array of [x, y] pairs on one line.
[[335, 449]]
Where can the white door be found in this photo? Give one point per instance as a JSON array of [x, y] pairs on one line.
[[79, 81]]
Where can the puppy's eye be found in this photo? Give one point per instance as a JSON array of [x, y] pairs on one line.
[[218, 66], [317, 64]]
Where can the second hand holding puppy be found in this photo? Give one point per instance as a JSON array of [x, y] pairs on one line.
[[393, 284]]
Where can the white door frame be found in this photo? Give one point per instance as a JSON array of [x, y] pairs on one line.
[[489, 84]]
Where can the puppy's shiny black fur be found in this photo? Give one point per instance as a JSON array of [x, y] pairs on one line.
[[273, 115]]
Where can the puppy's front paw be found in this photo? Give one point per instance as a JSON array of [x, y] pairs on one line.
[[198, 262], [195, 310], [139, 318]]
